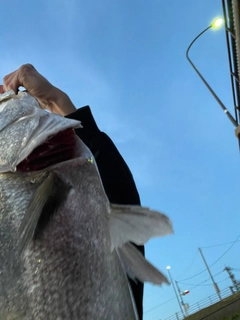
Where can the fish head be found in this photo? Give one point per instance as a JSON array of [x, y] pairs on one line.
[[32, 138]]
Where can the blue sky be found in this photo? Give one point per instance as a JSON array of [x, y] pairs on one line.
[[126, 59]]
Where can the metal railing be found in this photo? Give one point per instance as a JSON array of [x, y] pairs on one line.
[[176, 316], [202, 304]]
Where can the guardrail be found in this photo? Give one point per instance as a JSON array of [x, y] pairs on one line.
[[202, 304], [176, 316]]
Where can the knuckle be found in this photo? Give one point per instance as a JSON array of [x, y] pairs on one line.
[[25, 68], [24, 71]]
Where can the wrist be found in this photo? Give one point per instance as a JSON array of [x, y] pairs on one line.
[[61, 103]]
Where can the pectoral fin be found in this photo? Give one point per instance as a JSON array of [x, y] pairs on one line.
[[49, 195], [136, 224], [136, 266]]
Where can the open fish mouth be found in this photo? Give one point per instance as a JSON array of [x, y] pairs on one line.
[[57, 148], [28, 134]]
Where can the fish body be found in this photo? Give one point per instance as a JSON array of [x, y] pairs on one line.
[[64, 249]]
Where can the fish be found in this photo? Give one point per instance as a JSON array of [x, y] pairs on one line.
[[65, 250]]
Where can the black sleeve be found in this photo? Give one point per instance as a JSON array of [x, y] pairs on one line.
[[115, 174]]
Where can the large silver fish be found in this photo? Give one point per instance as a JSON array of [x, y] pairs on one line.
[[64, 249]]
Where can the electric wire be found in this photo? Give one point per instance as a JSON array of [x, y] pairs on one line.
[[220, 244], [194, 275], [205, 285], [223, 280], [189, 265], [199, 284], [225, 252], [209, 284], [233, 243], [159, 305]]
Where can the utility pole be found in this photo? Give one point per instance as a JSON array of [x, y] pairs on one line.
[[185, 305], [179, 291], [214, 283], [232, 277]]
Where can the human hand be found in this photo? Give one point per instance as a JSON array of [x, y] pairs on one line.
[[48, 96]]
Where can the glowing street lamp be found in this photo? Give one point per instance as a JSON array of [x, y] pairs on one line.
[[168, 269], [215, 25]]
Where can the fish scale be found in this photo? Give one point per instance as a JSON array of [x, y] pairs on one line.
[[11, 268], [49, 261]]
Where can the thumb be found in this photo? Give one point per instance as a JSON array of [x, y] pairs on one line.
[[1, 89]]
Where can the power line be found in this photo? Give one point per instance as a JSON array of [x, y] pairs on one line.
[[220, 244], [218, 273], [223, 280], [195, 275], [189, 265], [159, 305], [194, 286], [214, 261], [225, 251], [205, 285], [200, 284]]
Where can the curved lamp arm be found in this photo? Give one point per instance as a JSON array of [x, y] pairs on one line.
[[230, 117]]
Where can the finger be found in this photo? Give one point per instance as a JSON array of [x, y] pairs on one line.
[[10, 82], [18, 78], [1, 89], [25, 75]]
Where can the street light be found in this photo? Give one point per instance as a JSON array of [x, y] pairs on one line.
[[215, 25], [168, 269]]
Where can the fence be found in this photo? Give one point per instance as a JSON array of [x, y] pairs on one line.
[[201, 304]]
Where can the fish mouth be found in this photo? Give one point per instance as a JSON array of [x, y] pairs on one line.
[[55, 149]]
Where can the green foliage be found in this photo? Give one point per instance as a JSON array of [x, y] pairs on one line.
[[236, 316]]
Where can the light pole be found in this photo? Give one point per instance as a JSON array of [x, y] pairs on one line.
[[168, 269], [215, 24]]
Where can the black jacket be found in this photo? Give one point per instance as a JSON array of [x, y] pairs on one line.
[[115, 174]]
